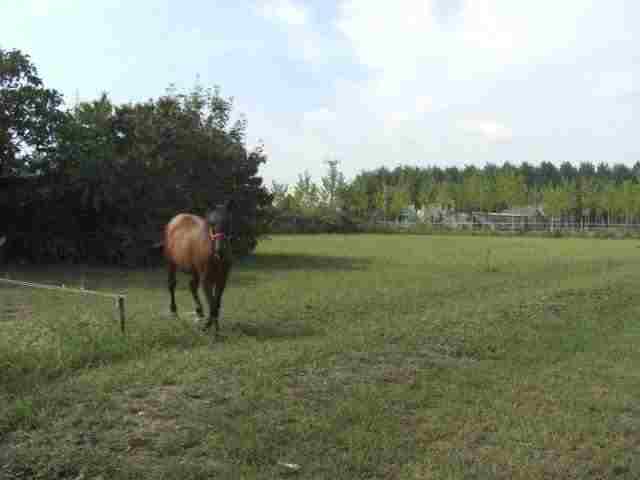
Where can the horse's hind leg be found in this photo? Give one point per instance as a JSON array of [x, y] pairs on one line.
[[172, 287], [194, 284]]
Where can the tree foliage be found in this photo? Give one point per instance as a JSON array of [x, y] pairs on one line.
[[332, 185], [567, 193], [306, 194], [111, 175], [29, 115]]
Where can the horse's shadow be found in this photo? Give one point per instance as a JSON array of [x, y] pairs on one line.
[[259, 331], [271, 331]]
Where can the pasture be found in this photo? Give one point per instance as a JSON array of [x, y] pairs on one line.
[[365, 356]]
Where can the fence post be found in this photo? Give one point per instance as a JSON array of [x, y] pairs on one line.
[[121, 309]]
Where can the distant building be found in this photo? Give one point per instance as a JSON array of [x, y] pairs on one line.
[[408, 215], [518, 218], [434, 213]]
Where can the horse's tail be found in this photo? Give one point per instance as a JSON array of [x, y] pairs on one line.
[[155, 253]]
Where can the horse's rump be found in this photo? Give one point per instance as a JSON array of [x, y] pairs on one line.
[[186, 241]]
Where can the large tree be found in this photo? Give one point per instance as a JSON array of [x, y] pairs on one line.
[[333, 185], [279, 193], [511, 189], [556, 201], [306, 193], [30, 115], [111, 175]]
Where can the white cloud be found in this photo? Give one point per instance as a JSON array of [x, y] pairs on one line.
[[322, 116], [515, 63], [615, 84], [284, 11], [490, 130], [316, 135], [405, 33], [416, 62], [377, 28], [424, 103], [310, 48], [304, 40], [395, 120], [40, 8], [424, 73]]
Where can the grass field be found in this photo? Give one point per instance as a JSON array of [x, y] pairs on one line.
[[399, 357]]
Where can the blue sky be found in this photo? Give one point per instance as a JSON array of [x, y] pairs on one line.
[[368, 82]]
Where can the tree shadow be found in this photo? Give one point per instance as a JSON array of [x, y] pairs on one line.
[[270, 331], [281, 261], [114, 279]]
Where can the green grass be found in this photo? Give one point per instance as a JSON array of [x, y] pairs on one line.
[[369, 356]]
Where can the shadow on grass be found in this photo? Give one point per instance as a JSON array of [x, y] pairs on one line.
[[119, 280], [109, 280], [68, 352], [273, 331], [102, 279], [279, 261]]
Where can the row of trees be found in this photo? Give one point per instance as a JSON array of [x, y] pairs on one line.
[[99, 180], [583, 193]]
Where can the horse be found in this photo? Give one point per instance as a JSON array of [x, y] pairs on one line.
[[202, 247]]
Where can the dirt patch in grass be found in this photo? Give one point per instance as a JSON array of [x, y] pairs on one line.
[[15, 312], [390, 365], [148, 418], [400, 375], [627, 426], [553, 306], [496, 444], [474, 452]]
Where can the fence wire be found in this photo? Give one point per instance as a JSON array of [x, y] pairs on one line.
[[22, 297]]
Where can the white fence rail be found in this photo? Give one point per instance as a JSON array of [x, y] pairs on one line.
[[119, 298], [518, 226]]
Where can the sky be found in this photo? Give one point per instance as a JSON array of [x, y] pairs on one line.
[[369, 83]]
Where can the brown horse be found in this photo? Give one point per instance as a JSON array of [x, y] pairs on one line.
[[201, 247]]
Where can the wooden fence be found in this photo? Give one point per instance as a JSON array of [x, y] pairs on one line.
[[559, 226]]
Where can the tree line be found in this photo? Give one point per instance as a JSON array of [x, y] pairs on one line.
[[587, 192], [99, 180]]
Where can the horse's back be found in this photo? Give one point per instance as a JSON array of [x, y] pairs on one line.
[[186, 241]]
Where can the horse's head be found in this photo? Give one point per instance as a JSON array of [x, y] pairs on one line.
[[220, 222]]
